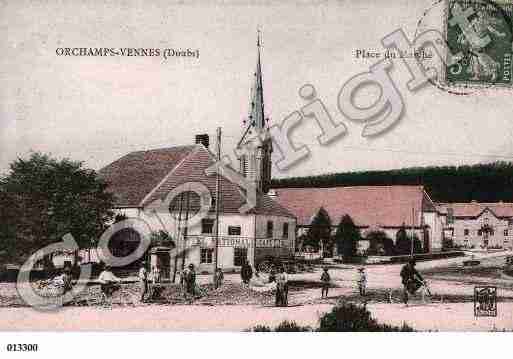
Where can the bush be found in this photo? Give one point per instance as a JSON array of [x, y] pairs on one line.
[[403, 242], [348, 317], [260, 328], [285, 326], [291, 326], [345, 317], [380, 244]]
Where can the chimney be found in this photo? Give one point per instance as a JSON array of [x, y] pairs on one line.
[[202, 139]]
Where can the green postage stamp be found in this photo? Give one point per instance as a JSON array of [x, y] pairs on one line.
[[479, 34]]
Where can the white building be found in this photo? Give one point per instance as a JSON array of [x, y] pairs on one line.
[[141, 178], [477, 225]]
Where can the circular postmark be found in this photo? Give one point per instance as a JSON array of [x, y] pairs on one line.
[[478, 35]]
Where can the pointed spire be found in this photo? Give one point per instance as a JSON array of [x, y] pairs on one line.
[[257, 95], [256, 118]]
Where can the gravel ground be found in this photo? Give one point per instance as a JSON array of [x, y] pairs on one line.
[[236, 307]]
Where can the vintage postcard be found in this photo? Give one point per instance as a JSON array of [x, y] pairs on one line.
[[256, 166]]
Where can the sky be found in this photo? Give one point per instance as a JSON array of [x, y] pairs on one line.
[[97, 109]]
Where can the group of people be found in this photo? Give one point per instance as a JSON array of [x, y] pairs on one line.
[[410, 279], [110, 283], [279, 278], [326, 282]]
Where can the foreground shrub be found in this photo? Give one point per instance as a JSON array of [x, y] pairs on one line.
[[348, 317], [291, 326], [345, 317], [285, 326], [260, 328]]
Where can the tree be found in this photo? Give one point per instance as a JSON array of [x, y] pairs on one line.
[[319, 233], [403, 242], [45, 199], [380, 243], [347, 237], [444, 184]]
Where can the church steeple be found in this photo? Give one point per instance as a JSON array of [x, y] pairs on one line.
[[256, 117], [257, 105], [255, 162]]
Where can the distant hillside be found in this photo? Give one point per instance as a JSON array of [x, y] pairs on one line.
[[484, 182]]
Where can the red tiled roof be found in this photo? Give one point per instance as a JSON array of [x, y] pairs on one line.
[[474, 209], [133, 176], [383, 206], [140, 178]]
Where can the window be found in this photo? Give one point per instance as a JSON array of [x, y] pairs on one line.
[[285, 230], [465, 232], [506, 233], [269, 229], [240, 255], [206, 255], [207, 226], [234, 230]]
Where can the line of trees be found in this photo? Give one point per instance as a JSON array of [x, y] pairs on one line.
[[444, 184], [319, 237]]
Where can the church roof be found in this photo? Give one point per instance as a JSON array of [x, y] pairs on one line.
[[380, 206], [134, 175], [142, 177]]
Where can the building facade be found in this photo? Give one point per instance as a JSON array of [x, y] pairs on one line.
[[477, 225], [142, 179]]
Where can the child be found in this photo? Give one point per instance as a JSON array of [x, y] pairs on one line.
[[362, 281], [325, 279]]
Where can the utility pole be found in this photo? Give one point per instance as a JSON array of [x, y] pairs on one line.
[[412, 232], [217, 201], [185, 230]]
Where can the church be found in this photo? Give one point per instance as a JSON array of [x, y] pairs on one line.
[[280, 215], [142, 178]]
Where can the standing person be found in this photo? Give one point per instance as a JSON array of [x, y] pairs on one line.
[[325, 279], [246, 272], [362, 281], [143, 280], [411, 279], [191, 280], [219, 277], [188, 280], [66, 279], [272, 275], [282, 288]]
